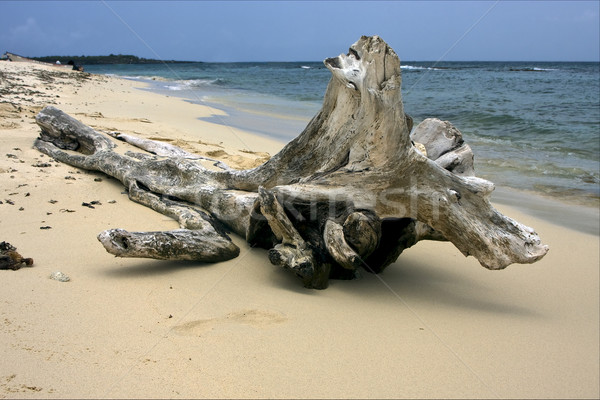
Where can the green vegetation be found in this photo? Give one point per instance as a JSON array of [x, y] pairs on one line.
[[110, 59]]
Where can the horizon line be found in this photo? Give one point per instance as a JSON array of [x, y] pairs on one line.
[[291, 61]]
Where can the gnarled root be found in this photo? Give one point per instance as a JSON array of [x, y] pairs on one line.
[[353, 190]]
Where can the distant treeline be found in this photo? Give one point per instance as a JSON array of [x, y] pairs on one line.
[[110, 59]]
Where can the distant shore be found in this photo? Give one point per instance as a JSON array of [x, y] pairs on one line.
[[434, 325], [107, 60]]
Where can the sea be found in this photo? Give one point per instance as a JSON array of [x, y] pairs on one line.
[[533, 126]]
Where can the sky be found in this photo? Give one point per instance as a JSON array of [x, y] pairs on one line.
[[227, 31]]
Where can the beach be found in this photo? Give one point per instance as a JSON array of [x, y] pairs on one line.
[[433, 325]]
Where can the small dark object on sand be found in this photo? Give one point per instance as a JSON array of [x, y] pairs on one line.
[[91, 204], [10, 259]]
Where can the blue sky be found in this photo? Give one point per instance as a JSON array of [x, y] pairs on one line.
[[304, 30]]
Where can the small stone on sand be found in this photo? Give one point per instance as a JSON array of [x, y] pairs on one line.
[[59, 276]]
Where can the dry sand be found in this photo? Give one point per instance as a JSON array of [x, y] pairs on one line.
[[434, 325]]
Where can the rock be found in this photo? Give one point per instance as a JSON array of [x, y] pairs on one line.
[[59, 276], [10, 259]]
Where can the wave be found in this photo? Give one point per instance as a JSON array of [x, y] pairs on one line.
[[188, 84], [416, 68], [141, 77], [532, 69]]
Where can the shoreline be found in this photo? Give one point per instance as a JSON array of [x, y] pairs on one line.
[[434, 325], [579, 217], [271, 125]]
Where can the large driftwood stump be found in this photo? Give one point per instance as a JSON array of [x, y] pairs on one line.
[[352, 191]]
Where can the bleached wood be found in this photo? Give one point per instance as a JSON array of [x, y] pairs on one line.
[[352, 190], [179, 244], [164, 149]]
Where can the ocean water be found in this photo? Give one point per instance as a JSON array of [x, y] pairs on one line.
[[533, 126]]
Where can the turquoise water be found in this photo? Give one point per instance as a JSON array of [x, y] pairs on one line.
[[533, 126]]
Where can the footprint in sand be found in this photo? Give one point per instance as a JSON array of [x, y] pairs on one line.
[[216, 153], [255, 318]]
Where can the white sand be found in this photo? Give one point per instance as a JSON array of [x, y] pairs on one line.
[[433, 325]]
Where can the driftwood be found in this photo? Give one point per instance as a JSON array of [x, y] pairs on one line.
[[352, 191]]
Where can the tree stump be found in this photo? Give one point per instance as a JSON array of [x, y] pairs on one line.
[[352, 191]]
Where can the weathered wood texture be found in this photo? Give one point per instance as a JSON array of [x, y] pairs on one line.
[[352, 191]]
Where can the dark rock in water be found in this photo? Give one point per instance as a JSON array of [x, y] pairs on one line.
[[10, 259]]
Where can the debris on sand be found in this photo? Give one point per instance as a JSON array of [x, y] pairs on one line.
[[59, 276], [10, 259]]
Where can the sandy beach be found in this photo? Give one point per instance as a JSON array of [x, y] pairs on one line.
[[433, 325]]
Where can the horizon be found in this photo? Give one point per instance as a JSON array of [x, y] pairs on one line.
[[287, 31], [402, 62]]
